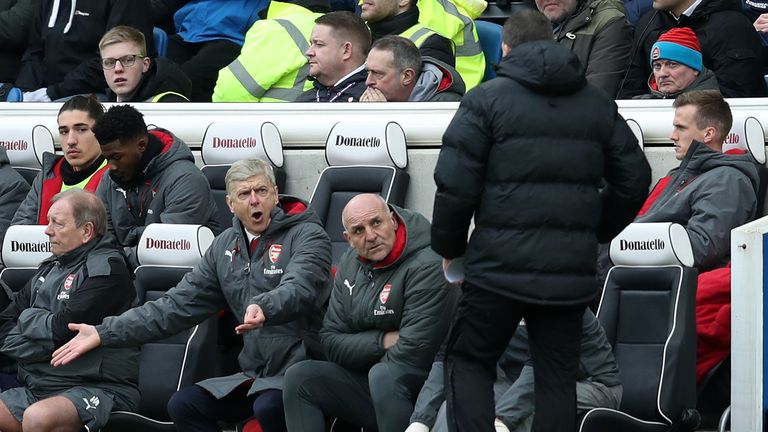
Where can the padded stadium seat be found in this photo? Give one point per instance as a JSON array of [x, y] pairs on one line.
[[225, 142], [25, 145], [634, 126], [24, 248], [161, 41], [166, 253], [364, 157], [490, 41], [747, 134], [648, 313]]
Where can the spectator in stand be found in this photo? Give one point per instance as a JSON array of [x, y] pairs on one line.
[[81, 166], [13, 190], [132, 76], [62, 58], [281, 311], [389, 310], [85, 280], [338, 46], [598, 33], [401, 17], [152, 179], [209, 34], [15, 22], [398, 73], [730, 46], [677, 66], [247, 80]]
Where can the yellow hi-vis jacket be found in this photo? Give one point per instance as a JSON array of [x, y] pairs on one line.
[[272, 66], [418, 34], [453, 19]]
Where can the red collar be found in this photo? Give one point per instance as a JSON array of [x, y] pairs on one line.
[[401, 237]]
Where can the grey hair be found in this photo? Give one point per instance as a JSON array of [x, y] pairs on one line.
[[86, 207], [244, 169], [405, 54]]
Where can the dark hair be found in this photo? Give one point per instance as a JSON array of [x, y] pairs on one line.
[[348, 27], [711, 110], [121, 122], [88, 104], [405, 54], [527, 25]]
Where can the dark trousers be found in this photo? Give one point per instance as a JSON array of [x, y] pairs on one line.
[[381, 399], [484, 324], [202, 62], [194, 409]]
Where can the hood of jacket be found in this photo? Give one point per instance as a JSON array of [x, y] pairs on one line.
[[706, 80], [544, 67], [174, 149], [106, 241], [436, 77], [701, 158], [163, 76], [290, 211]]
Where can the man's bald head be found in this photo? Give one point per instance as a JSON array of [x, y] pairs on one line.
[[369, 226]]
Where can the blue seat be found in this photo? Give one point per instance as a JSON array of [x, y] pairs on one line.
[[490, 41], [161, 41]]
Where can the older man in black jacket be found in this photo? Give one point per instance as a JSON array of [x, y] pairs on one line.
[[525, 155]]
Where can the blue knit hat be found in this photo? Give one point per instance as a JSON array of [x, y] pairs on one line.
[[678, 45]]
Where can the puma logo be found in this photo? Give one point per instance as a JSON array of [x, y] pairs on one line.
[[92, 403], [351, 287]]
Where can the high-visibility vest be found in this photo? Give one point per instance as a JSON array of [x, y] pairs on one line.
[[453, 19], [272, 66], [417, 34], [157, 97]]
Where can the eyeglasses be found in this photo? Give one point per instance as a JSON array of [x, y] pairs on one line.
[[126, 61]]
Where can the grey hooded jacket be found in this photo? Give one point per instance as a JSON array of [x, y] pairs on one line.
[[438, 82], [173, 191], [84, 285], [710, 193], [288, 276], [410, 295], [13, 190]]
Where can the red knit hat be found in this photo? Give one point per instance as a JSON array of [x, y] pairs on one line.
[[679, 45]]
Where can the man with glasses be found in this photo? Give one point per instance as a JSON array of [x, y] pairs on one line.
[[133, 77]]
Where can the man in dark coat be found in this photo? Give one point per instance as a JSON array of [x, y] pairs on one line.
[[729, 44], [525, 156]]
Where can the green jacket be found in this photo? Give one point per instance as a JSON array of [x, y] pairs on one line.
[[600, 36]]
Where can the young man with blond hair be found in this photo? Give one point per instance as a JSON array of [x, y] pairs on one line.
[[132, 76]]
